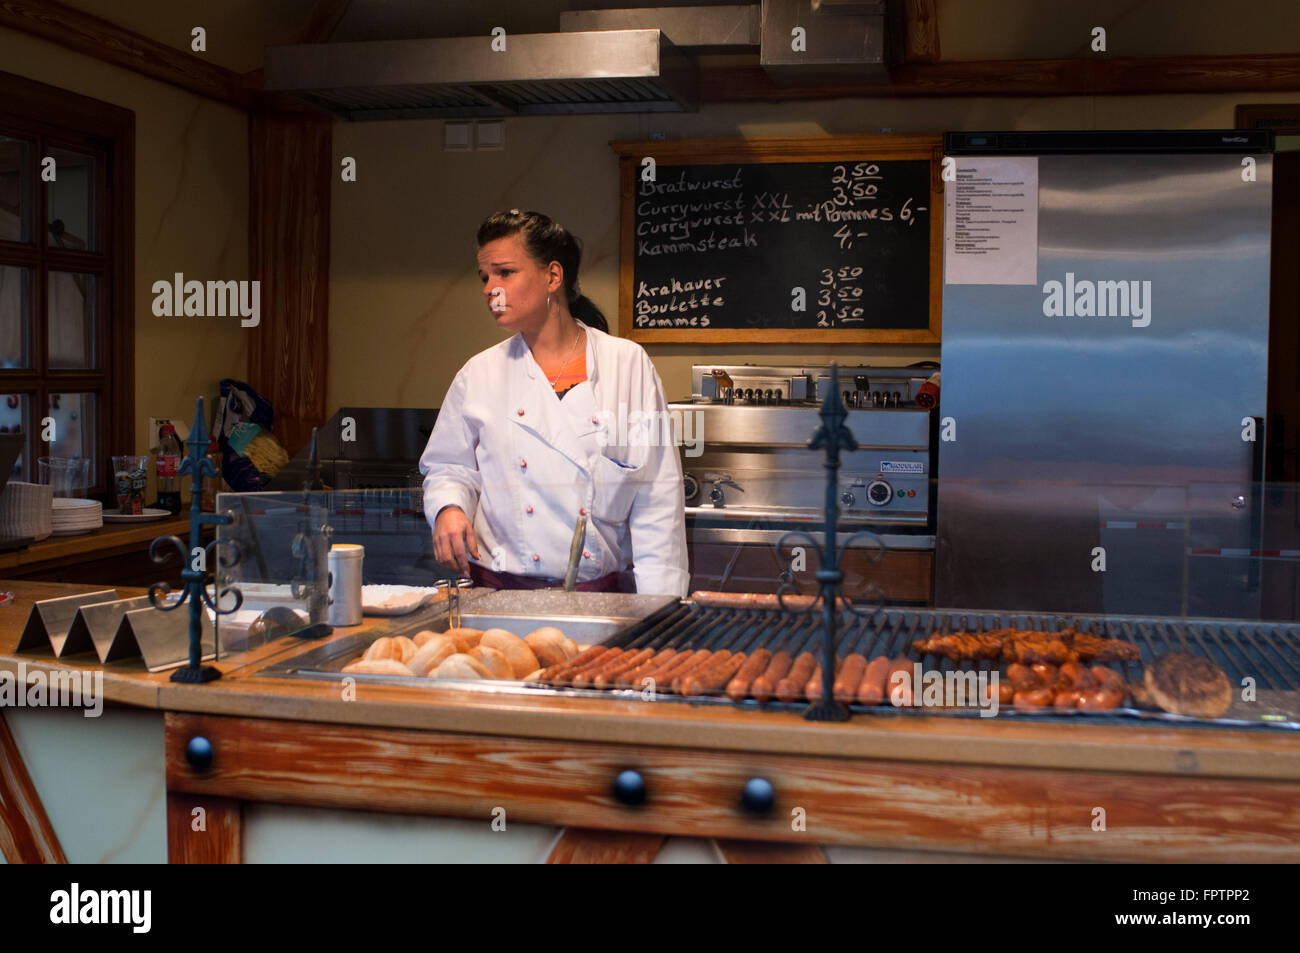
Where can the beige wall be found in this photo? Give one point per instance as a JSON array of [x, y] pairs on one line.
[[191, 215], [405, 305]]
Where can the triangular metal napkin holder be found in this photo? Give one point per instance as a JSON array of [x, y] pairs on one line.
[[96, 626], [50, 622], [163, 638]]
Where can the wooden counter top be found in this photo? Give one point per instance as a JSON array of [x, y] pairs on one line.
[[244, 691], [101, 542]]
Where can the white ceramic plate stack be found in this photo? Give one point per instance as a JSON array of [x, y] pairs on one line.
[[25, 510], [74, 517]]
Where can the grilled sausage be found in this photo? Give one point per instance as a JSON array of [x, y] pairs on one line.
[[899, 690], [1067, 698], [606, 676], [632, 676], [1034, 698], [764, 686], [561, 672], [791, 687], [716, 677], [755, 665], [849, 677], [871, 687], [697, 667], [1102, 699], [813, 689]]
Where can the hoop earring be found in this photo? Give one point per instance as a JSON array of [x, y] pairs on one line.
[[548, 302]]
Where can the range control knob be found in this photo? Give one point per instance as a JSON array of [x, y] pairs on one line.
[[847, 498], [691, 487], [629, 788], [879, 493]]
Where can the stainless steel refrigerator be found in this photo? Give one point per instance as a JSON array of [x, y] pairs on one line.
[[1105, 353]]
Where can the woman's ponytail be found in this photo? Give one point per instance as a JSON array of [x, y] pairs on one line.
[[586, 311]]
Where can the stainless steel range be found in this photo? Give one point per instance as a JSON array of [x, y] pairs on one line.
[[750, 477]]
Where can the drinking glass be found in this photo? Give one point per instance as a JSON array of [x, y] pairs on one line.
[[69, 476]]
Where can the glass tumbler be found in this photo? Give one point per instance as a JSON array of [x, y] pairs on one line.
[[130, 474], [69, 476]]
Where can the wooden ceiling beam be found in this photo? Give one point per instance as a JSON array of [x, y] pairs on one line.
[[921, 39], [106, 41]]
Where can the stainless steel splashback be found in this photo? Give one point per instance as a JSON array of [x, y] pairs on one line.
[[1076, 436]]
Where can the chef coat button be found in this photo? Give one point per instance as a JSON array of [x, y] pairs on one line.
[[528, 510], [585, 554], [520, 411], [523, 464], [595, 420], [582, 512], [536, 558]]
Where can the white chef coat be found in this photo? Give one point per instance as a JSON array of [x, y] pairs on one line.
[[523, 463]]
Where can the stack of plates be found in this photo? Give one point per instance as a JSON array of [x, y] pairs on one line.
[[25, 510], [72, 517]]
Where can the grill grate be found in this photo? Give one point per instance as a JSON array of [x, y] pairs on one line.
[[1268, 653]]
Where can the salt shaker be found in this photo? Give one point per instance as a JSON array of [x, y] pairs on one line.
[[345, 583]]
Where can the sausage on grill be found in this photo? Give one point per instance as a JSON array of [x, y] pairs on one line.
[[792, 686], [849, 677], [764, 686], [755, 665], [871, 687]]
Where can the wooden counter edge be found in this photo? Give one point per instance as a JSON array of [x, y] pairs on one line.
[[1138, 749]]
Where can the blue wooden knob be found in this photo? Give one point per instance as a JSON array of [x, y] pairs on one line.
[[629, 788], [758, 796], [199, 753]]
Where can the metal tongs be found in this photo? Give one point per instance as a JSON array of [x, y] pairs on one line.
[[453, 603], [575, 552]]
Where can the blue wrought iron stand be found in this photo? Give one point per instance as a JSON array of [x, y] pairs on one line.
[[834, 437], [195, 574]]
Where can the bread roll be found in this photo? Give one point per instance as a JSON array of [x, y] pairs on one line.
[[423, 636], [385, 666], [534, 676], [496, 663], [570, 648], [466, 639], [406, 647], [547, 644], [382, 648], [521, 657], [459, 666], [432, 653]]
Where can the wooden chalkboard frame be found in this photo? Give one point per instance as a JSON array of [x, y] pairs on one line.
[[777, 149]]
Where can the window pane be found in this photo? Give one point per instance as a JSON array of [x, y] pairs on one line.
[[71, 305], [74, 427], [13, 419], [15, 196], [15, 314], [72, 201]]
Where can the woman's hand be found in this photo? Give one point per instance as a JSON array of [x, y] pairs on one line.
[[453, 539]]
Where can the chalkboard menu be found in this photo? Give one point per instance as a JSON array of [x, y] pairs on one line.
[[797, 250]]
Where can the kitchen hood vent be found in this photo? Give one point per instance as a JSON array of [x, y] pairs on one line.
[[843, 40], [456, 77]]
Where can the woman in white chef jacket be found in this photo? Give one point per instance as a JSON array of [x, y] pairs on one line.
[[558, 421]]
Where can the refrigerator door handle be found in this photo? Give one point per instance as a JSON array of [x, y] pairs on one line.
[[1256, 503]]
